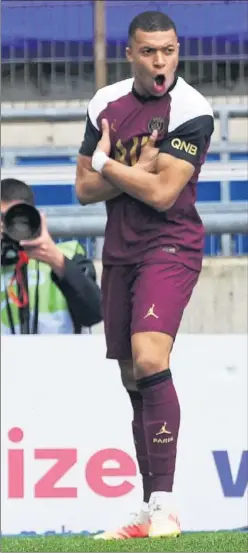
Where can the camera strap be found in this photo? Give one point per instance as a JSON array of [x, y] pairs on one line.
[[36, 300], [9, 313], [23, 311], [22, 299]]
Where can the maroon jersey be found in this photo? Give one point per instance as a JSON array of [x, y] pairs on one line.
[[184, 119]]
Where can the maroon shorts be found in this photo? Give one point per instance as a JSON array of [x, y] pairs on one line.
[[149, 297]]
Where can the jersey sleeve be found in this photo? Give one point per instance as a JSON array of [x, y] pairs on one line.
[[190, 140], [92, 136]]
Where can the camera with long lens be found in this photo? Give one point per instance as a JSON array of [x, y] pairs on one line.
[[21, 222]]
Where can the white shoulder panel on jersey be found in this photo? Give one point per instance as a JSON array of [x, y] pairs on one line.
[[186, 104], [107, 94]]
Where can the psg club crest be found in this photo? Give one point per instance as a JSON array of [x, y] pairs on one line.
[[157, 124]]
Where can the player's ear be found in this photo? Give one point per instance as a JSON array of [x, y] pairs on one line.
[[129, 54]]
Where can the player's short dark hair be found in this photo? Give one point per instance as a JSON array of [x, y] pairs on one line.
[[14, 190], [150, 22]]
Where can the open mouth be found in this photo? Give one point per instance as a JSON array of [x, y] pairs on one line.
[[159, 83], [159, 80]]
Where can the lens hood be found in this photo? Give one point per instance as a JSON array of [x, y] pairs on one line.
[[22, 222]]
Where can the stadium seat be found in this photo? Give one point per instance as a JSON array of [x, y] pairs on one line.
[[239, 192], [212, 245], [208, 191], [54, 194], [240, 244], [43, 161]]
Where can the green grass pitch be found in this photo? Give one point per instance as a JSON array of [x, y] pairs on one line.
[[218, 541]]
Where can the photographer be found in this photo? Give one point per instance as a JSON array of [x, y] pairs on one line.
[[45, 288]]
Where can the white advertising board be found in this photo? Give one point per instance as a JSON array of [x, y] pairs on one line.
[[68, 461]]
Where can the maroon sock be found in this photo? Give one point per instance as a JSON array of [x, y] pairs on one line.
[[161, 415], [140, 442]]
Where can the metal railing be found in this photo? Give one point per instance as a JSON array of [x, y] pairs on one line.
[[85, 221], [222, 219], [48, 53], [65, 174]]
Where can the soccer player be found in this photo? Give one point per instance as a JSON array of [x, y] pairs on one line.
[[146, 139]]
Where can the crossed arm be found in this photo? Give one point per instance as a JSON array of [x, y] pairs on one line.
[[160, 190], [157, 179], [91, 187]]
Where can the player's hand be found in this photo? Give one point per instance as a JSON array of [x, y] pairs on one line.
[[44, 249], [149, 155], [104, 144]]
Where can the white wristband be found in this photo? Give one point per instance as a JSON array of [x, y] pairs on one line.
[[98, 161]]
